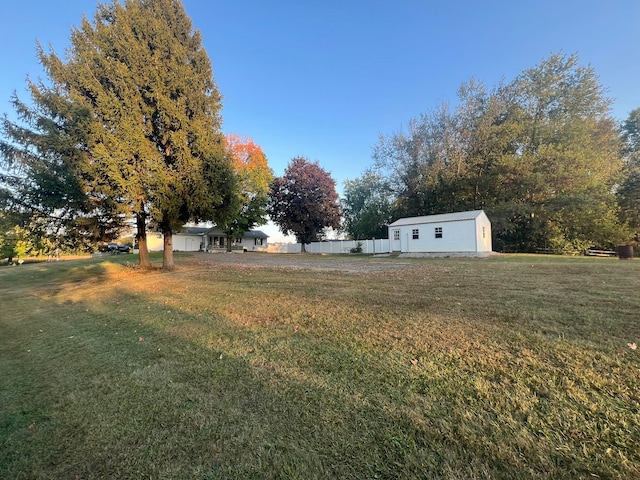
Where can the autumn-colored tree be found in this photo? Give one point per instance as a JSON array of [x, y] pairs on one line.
[[304, 201], [252, 177], [141, 70]]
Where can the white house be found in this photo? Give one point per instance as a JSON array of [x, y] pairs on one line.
[[462, 232], [216, 239], [194, 239]]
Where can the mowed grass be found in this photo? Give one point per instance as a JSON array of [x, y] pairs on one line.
[[510, 367]]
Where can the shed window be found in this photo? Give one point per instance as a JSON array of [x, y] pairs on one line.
[[396, 234], [415, 234], [438, 232], [483, 232]]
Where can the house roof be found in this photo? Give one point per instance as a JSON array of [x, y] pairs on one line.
[[249, 234], [193, 230], [255, 234], [444, 217]]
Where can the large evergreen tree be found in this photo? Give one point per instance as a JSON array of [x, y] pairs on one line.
[[44, 187], [141, 70]]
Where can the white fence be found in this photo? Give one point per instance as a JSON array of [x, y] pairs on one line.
[[345, 246], [380, 245]]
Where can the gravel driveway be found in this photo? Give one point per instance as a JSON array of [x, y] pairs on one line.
[[297, 261]]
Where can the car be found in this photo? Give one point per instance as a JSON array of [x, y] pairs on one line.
[[122, 248], [115, 248]]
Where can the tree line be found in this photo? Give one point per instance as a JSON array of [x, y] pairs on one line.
[[541, 155]]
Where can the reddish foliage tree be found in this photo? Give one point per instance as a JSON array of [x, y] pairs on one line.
[[252, 177], [304, 201]]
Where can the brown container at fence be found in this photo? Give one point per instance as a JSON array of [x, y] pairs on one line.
[[625, 252]]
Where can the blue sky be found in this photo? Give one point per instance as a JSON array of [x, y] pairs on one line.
[[324, 78]]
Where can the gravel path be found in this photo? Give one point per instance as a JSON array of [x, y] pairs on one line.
[[296, 261]]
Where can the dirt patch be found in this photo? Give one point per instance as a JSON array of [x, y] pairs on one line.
[[298, 261]]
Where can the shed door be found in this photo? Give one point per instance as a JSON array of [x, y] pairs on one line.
[[396, 245]]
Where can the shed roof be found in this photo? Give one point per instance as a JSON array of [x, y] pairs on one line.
[[443, 217]]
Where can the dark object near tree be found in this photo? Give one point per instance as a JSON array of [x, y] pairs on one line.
[[625, 252]]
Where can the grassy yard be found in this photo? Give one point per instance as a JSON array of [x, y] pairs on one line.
[[510, 367]]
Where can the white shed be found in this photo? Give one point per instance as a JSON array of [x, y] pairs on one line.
[[446, 233]]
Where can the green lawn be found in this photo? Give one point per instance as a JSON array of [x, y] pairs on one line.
[[509, 367]]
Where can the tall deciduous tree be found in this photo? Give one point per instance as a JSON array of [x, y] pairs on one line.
[[366, 207], [540, 154], [141, 70], [304, 201], [629, 190], [252, 177]]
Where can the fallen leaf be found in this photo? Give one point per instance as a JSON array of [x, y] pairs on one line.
[[141, 339], [632, 346], [414, 361]]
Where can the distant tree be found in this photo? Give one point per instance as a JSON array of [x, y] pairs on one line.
[[252, 177], [366, 207], [304, 201], [141, 70], [628, 192]]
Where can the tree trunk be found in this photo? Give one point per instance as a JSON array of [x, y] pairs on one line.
[[302, 248], [229, 238], [141, 239], [167, 254]]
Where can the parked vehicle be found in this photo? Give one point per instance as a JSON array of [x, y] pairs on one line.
[[115, 248]]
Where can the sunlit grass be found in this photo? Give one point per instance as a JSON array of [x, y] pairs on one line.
[[513, 367]]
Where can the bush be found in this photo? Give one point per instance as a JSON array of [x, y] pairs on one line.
[[357, 248]]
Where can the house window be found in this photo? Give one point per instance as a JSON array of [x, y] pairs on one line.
[[396, 234], [438, 232], [415, 234]]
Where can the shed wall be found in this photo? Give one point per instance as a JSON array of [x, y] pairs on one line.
[[456, 237]]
